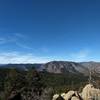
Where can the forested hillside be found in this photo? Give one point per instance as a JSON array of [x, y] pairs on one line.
[[37, 85]]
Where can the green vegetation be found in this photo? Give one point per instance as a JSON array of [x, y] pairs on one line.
[[35, 84], [63, 82]]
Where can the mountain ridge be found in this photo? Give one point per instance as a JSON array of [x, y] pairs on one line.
[[59, 67]]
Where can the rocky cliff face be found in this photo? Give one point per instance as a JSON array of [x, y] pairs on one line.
[[72, 67], [64, 67]]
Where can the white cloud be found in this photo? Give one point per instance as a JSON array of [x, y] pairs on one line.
[[16, 57]]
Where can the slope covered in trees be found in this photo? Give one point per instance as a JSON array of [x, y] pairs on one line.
[[36, 85]]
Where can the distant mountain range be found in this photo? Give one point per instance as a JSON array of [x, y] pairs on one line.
[[24, 67], [59, 67]]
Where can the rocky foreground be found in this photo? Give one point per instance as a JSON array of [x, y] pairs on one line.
[[88, 93]]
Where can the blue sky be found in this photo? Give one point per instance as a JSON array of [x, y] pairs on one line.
[[44, 30]]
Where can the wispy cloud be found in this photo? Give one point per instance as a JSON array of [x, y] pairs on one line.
[[21, 45], [19, 35], [16, 57], [19, 57], [6, 40], [21, 41], [82, 55], [17, 39]]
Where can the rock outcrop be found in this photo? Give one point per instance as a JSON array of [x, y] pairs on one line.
[[89, 92]]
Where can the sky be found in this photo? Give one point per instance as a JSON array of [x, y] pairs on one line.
[[38, 31]]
